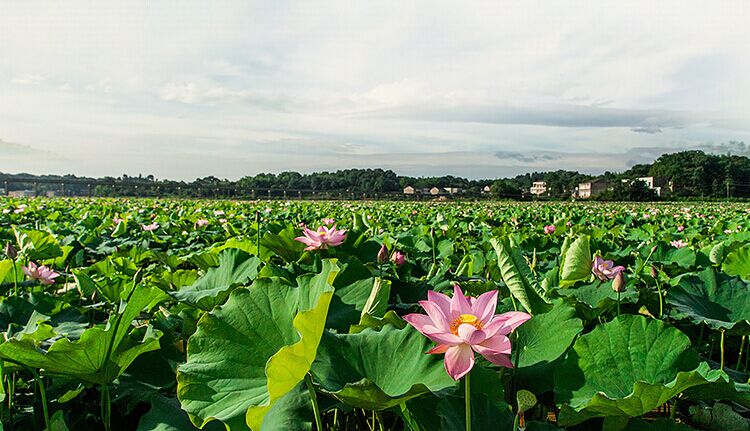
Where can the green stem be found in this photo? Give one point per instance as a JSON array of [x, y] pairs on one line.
[[661, 299], [721, 347], [739, 355], [106, 407], [257, 233], [42, 395], [467, 387], [380, 421], [314, 400], [618, 304], [515, 422], [15, 279]]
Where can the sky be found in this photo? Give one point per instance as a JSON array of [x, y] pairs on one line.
[[186, 89]]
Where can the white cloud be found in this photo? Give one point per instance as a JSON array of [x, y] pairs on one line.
[[316, 85]]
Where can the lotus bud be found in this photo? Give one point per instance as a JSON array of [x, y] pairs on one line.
[[653, 249], [10, 251], [398, 258], [618, 284], [382, 255], [654, 272]]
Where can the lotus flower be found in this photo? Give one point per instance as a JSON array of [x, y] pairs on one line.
[[605, 269], [680, 228], [219, 212], [678, 243], [462, 325], [150, 227], [201, 222], [549, 230], [42, 273], [328, 221], [322, 238], [398, 258], [117, 220]]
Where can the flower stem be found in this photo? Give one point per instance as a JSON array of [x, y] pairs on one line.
[[42, 395], [721, 347], [106, 407], [739, 355], [618, 304], [467, 387], [314, 400], [661, 299]]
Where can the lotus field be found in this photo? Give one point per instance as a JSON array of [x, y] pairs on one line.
[[179, 315]]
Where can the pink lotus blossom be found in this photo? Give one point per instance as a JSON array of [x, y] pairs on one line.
[[201, 222], [328, 221], [605, 269], [728, 231], [463, 325], [117, 220], [569, 224], [42, 273], [680, 228], [322, 238], [549, 230], [267, 210], [218, 212], [398, 258], [150, 227], [678, 243]]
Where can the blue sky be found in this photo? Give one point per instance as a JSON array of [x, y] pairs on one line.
[[480, 89]]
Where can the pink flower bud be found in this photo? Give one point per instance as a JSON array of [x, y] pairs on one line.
[[618, 284], [382, 255]]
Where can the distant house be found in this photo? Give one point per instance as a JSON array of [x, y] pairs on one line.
[[452, 190], [591, 189], [409, 190], [538, 188], [434, 191], [654, 183], [486, 189]]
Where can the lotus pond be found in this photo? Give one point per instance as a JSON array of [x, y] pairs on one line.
[[178, 315]]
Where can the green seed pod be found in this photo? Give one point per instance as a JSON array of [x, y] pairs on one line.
[[526, 400]]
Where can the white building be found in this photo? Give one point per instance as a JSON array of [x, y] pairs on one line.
[[538, 188], [434, 191], [591, 189], [409, 190]]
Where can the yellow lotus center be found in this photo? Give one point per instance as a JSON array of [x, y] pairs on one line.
[[469, 319]]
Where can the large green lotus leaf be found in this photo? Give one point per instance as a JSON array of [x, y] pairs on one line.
[[292, 412], [283, 244], [353, 287], [257, 347], [576, 261], [235, 268], [669, 255], [627, 367], [377, 370], [714, 299], [37, 245], [738, 263], [664, 424], [599, 296], [547, 336], [86, 358], [517, 276], [166, 415]]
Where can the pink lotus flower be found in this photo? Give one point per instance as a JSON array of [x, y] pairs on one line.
[[150, 227], [605, 269], [398, 258], [549, 230], [463, 325], [218, 212], [680, 228], [328, 221], [117, 220], [678, 243], [322, 238], [201, 222], [42, 273]]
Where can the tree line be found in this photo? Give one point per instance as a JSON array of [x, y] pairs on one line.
[[691, 173]]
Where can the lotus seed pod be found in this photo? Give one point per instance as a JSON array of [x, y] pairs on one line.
[[526, 400]]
